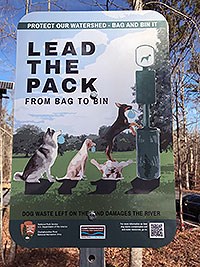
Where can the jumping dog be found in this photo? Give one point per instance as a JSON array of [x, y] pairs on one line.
[[120, 124]]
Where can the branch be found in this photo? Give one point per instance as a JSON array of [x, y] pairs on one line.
[[112, 3], [99, 5], [61, 8], [179, 60], [107, 5], [95, 3], [103, 6], [176, 11]]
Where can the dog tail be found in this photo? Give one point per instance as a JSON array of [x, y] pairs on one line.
[[18, 176]]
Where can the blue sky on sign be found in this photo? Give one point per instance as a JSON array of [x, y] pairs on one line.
[[12, 11], [114, 81]]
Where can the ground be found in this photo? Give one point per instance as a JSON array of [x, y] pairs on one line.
[[182, 252]]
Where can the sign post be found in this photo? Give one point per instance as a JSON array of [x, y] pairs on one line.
[[92, 128], [92, 257]]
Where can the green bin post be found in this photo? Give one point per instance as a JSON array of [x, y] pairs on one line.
[[148, 138]]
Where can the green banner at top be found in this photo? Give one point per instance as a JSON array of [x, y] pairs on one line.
[[90, 25]]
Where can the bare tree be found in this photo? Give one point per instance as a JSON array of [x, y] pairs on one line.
[[177, 140]]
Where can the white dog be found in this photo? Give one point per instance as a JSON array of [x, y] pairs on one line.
[[111, 170], [76, 168]]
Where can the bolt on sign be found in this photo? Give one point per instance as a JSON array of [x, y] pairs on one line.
[[92, 158]]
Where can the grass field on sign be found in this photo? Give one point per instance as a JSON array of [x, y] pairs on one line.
[[161, 199]]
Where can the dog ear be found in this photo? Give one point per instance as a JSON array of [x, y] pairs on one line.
[[118, 105], [89, 142]]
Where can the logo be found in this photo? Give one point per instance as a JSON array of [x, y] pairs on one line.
[[27, 230], [92, 232]]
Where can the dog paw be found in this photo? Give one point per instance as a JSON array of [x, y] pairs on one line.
[[33, 182], [51, 180]]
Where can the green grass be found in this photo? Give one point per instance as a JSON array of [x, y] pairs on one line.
[[161, 199]]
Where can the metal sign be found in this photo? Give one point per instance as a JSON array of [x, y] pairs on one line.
[[92, 162]]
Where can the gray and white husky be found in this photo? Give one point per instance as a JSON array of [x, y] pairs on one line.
[[42, 160]]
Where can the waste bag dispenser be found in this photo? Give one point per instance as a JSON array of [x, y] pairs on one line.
[[148, 138]]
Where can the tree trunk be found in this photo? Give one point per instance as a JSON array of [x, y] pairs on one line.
[[1, 189], [179, 173], [138, 5], [184, 150], [49, 5], [8, 246], [192, 161], [27, 7], [135, 257], [196, 159]]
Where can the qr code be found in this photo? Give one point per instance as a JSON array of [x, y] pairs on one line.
[[157, 230]]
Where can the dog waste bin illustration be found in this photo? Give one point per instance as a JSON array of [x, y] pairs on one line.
[[148, 154], [148, 138]]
